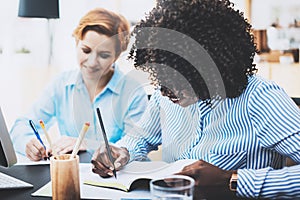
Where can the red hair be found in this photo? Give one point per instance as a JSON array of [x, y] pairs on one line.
[[105, 22]]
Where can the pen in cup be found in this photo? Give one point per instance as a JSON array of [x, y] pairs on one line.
[[106, 142], [80, 139], [37, 133]]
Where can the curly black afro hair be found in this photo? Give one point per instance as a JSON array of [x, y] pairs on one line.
[[221, 30]]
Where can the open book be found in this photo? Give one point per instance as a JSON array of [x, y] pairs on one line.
[[136, 173]]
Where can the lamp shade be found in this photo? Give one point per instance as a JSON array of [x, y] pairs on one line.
[[39, 8]]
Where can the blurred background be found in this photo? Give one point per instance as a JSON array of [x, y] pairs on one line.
[[25, 45], [25, 48]]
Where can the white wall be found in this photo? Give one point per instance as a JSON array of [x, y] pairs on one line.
[[23, 76], [265, 12]]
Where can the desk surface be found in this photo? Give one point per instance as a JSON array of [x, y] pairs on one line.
[[37, 175]]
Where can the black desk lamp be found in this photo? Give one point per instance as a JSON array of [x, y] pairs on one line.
[[48, 9]]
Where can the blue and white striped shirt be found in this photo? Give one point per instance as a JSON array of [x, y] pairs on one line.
[[269, 183], [256, 130]]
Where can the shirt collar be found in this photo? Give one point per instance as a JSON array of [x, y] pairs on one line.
[[208, 105], [113, 84], [75, 79]]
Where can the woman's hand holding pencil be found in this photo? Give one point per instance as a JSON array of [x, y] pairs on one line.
[[101, 162], [108, 159]]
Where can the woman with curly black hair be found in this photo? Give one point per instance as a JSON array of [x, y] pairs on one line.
[[224, 35], [209, 104]]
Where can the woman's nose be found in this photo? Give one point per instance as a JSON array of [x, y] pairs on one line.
[[92, 60]]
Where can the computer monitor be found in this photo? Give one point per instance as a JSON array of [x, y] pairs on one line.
[[7, 152]]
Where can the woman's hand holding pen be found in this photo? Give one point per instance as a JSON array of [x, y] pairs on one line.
[[35, 148], [35, 151], [102, 164]]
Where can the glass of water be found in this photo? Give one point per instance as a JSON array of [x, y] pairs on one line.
[[173, 187]]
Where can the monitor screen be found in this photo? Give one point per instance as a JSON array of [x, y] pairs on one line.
[[3, 161], [7, 152]]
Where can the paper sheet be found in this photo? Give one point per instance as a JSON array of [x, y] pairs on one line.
[[23, 160], [136, 171]]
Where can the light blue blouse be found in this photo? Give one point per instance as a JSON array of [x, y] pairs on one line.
[[256, 130], [66, 101]]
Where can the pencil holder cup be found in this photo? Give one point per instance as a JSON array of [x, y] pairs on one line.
[[65, 177]]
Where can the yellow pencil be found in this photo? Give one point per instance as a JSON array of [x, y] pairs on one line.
[[47, 136]]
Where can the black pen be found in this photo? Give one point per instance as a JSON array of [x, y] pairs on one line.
[[106, 142], [36, 133]]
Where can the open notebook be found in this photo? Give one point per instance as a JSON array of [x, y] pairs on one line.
[[137, 173]]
